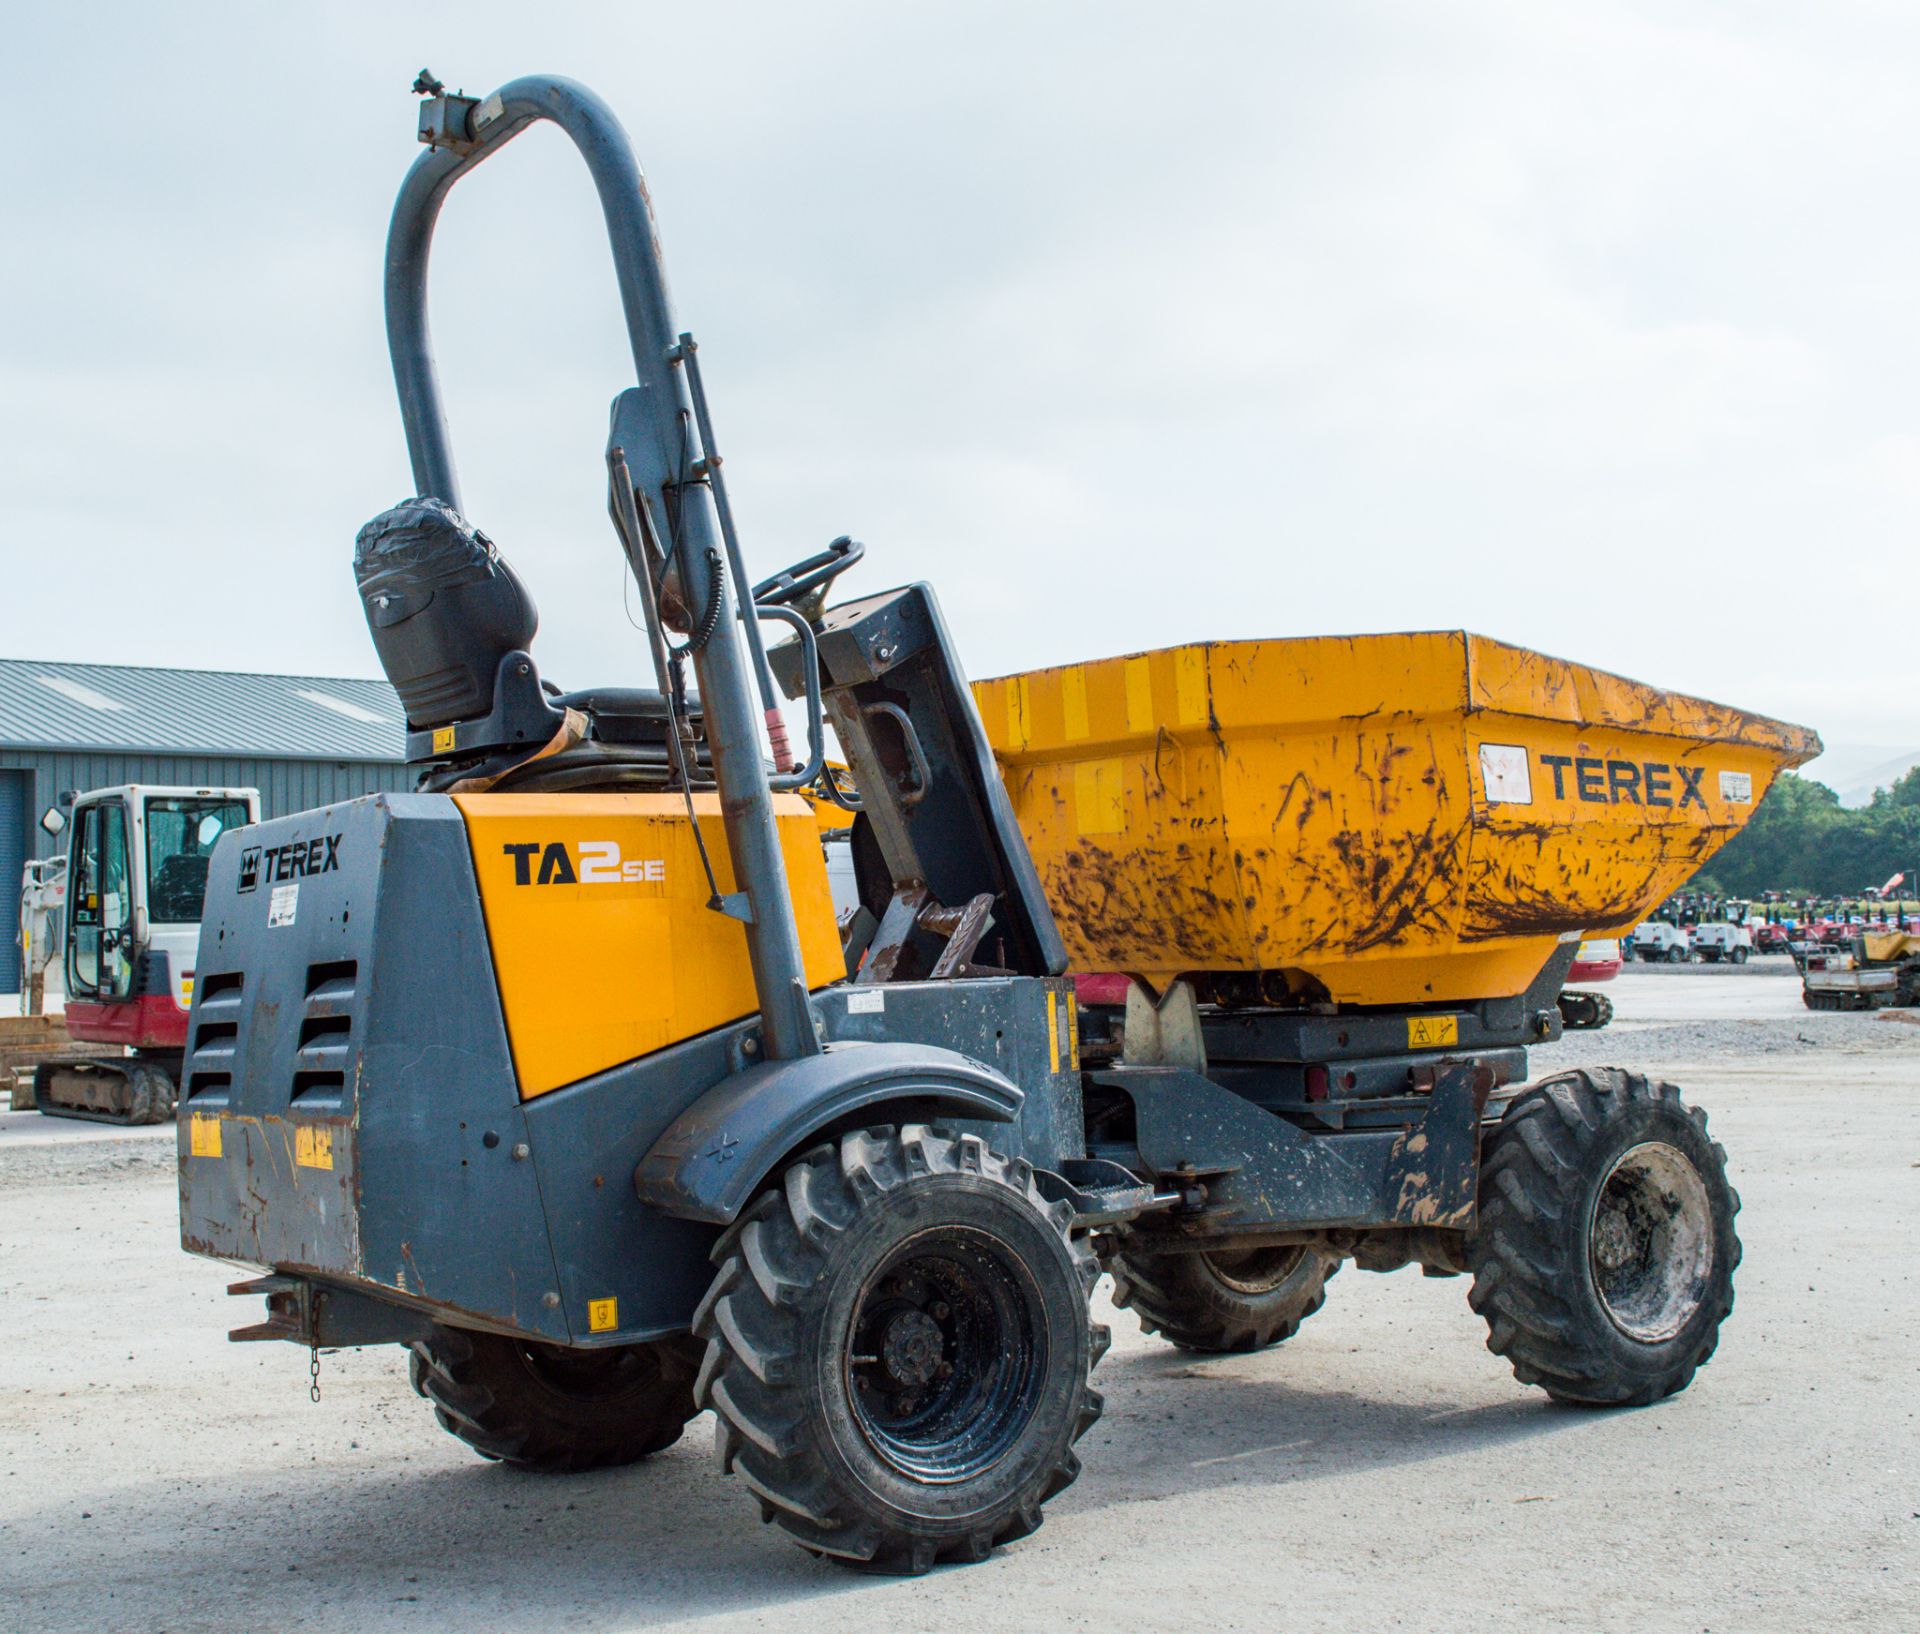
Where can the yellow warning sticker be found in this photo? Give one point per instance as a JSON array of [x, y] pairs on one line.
[[1053, 1029], [443, 740], [1430, 1032], [186, 988], [313, 1146], [203, 1135], [603, 1315]]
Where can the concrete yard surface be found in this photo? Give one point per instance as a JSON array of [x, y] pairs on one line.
[[1379, 1471]]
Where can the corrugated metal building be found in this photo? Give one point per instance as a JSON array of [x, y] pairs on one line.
[[302, 741]]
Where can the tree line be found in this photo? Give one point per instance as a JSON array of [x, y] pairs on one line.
[[1803, 842]]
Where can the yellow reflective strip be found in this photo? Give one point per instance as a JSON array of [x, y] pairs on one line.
[[203, 1135], [313, 1146], [1073, 1032], [1190, 684], [1053, 1029], [1073, 703], [1139, 695]]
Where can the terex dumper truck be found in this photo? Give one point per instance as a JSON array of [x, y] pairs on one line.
[[560, 1072]]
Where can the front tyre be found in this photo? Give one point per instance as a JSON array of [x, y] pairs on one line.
[[898, 1343], [1604, 1252], [1224, 1301], [551, 1408]]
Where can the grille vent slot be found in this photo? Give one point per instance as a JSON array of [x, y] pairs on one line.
[[324, 1049], [216, 1036]]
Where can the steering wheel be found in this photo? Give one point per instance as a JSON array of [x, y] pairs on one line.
[[814, 573]]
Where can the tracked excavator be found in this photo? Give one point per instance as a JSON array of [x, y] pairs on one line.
[[136, 872], [1213, 967]]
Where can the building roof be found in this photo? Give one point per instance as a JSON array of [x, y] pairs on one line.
[[121, 708]]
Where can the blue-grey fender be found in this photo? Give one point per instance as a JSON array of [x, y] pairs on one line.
[[713, 1157]]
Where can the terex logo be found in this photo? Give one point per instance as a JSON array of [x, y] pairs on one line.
[[1507, 772], [1634, 782], [600, 864], [301, 859]]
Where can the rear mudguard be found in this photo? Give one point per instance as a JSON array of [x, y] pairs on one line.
[[714, 1156]]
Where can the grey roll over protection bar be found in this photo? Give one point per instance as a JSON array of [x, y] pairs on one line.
[[653, 426]]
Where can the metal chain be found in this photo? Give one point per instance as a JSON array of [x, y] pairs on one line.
[[313, 1373]]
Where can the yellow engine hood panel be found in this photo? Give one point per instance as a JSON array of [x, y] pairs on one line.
[[603, 944], [1400, 818]]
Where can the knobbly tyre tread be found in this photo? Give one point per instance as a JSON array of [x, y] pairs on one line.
[[1528, 1252], [483, 1393], [769, 1262], [1174, 1296]]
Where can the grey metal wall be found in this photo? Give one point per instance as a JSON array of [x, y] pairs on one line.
[[285, 786], [13, 841]]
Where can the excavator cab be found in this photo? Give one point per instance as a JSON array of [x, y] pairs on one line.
[[136, 878]]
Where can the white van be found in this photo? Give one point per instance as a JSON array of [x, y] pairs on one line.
[[1734, 943], [1657, 942]]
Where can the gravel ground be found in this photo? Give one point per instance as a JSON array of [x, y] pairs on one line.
[[1379, 1471], [1666, 1015]]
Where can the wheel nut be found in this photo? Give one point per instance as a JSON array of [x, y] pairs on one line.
[[939, 1310], [943, 1371]]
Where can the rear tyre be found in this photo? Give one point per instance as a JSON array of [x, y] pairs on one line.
[[1739, 955], [898, 1343], [1604, 1252], [552, 1408], [1676, 955], [1224, 1302]]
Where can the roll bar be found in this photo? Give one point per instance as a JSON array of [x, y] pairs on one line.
[[653, 425]]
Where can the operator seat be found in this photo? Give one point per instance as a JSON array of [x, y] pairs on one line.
[[453, 623], [444, 607]]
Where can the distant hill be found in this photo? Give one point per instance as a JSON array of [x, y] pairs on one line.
[[1888, 772], [1854, 770]]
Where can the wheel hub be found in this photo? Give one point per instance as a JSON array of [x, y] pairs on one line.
[[912, 1348], [1254, 1271], [1612, 1240], [946, 1355], [1651, 1242]]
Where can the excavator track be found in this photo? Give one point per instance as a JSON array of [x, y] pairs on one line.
[[1583, 1012], [105, 1091]]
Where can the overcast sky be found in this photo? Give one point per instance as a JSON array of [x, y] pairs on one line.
[[1592, 327]]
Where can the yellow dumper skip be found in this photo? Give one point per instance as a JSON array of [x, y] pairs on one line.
[[1392, 819]]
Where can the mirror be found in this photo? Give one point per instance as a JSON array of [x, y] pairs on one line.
[[210, 827], [53, 819]]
